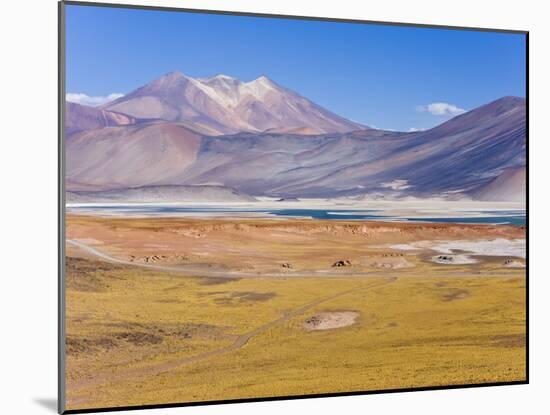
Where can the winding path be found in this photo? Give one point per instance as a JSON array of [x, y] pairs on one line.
[[207, 272], [237, 344]]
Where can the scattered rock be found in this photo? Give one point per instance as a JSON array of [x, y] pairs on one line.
[[513, 263], [288, 199], [286, 265], [313, 321], [459, 259], [342, 263], [159, 258]]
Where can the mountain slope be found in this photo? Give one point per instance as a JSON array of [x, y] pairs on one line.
[[455, 157], [128, 156], [227, 105], [451, 160], [158, 194], [509, 186], [81, 117]]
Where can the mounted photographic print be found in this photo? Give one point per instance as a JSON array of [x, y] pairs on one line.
[[259, 207]]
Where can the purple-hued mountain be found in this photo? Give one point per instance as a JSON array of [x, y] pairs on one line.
[[159, 194], [129, 156], [453, 158], [81, 117], [225, 105], [168, 134], [508, 186]]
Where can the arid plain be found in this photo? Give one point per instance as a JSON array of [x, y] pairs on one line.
[[189, 309]]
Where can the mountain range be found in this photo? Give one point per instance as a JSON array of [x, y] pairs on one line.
[[265, 140], [225, 105]]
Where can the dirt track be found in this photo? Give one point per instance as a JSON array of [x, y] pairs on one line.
[[228, 274], [240, 342]]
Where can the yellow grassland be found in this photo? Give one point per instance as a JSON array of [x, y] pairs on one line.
[[139, 336]]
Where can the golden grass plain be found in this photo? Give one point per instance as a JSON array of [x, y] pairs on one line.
[[139, 336]]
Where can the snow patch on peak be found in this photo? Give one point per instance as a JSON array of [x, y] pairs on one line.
[[230, 92], [261, 86], [264, 80], [220, 78], [230, 104], [223, 76]]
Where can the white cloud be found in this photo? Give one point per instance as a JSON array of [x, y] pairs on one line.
[[440, 108], [398, 184], [414, 129], [91, 101]]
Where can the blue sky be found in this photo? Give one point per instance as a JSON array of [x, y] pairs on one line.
[[383, 76]]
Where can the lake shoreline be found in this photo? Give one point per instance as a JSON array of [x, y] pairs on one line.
[[481, 213]]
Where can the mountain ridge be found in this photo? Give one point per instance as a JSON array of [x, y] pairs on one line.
[[449, 160], [82, 117], [228, 105]]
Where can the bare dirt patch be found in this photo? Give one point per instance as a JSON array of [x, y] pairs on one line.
[[216, 280], [238, 297], [512, 340], [456, 294], [329, 320], [75, 346], [87, 275], [252, 296], [202, 331], [391, 260], [139, 338]]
